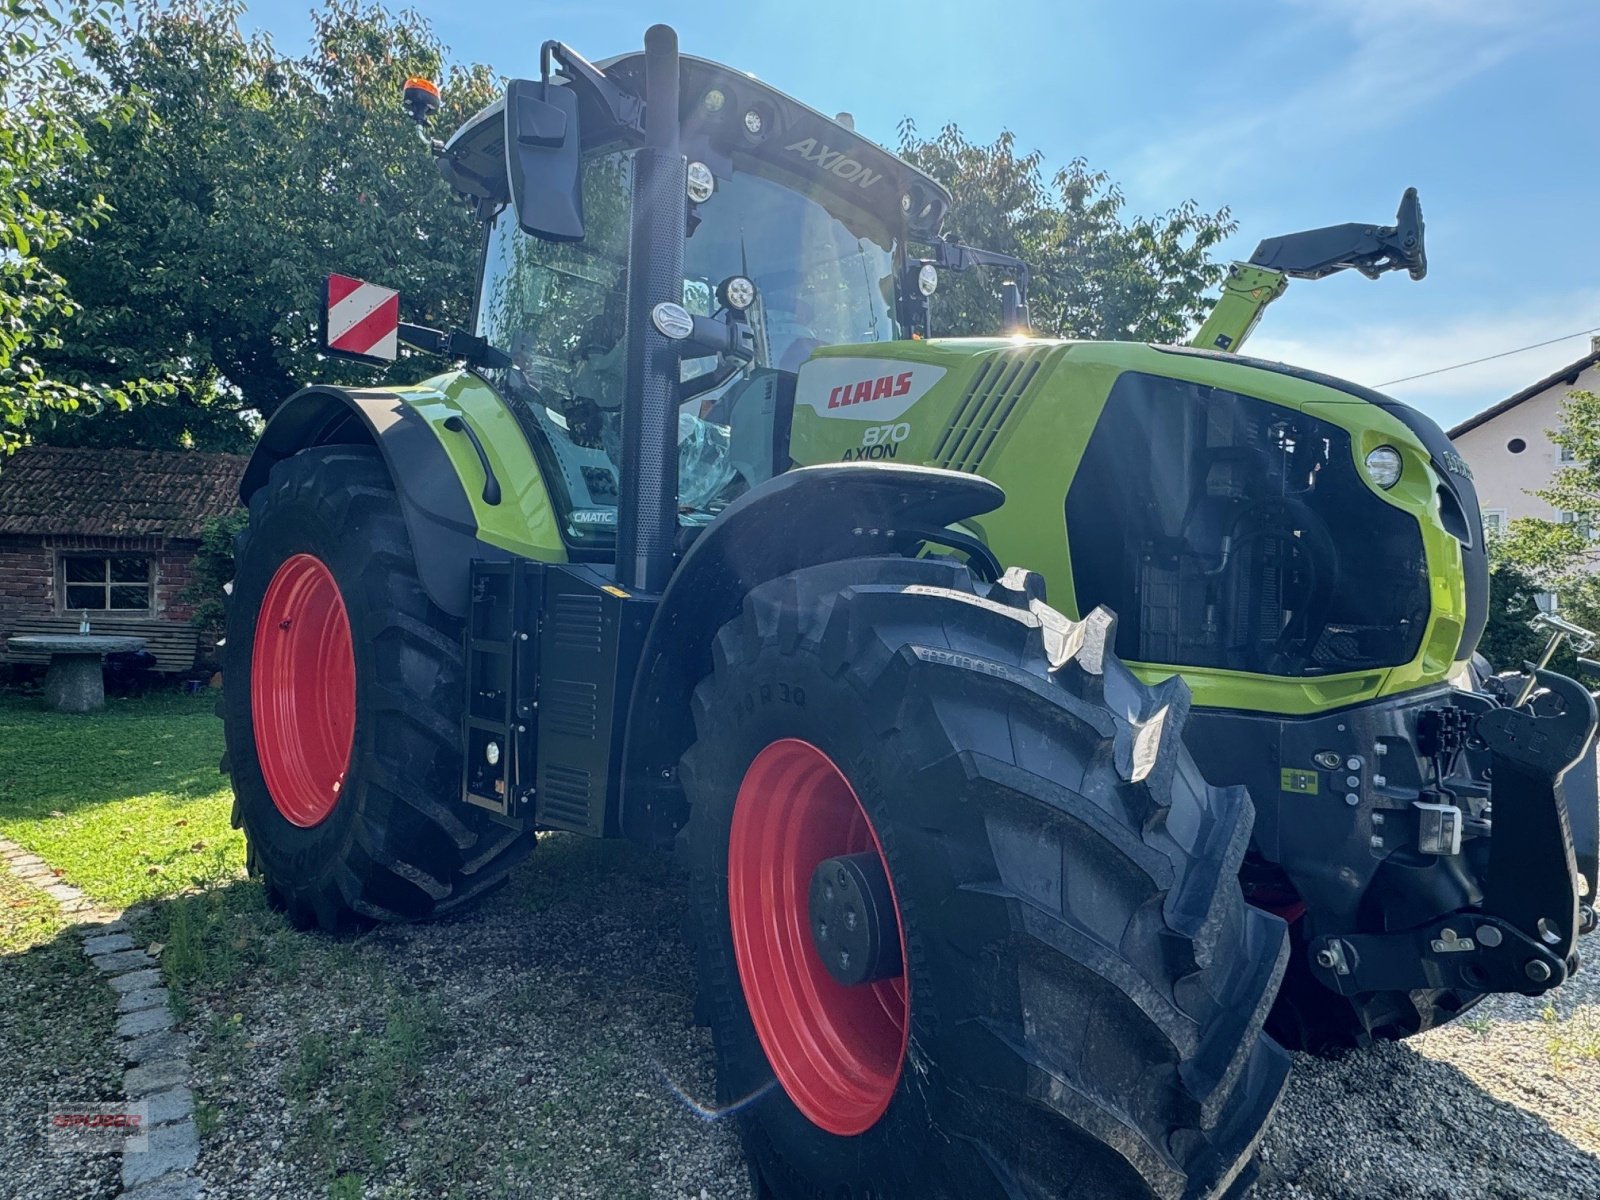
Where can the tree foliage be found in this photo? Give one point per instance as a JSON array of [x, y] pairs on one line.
[[1509, 638], [1563, 556], [211, 572], [1096, 272], [42, 138], [244, 176]]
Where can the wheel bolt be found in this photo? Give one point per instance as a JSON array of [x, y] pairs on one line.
[[1537, 970]]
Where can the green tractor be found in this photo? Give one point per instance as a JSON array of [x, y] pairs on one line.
[[704, 544]]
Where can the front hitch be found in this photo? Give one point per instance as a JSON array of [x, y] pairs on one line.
[[1523, 936], [1533, 870]]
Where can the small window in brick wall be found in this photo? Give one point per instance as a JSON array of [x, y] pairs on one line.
[[106, 583]]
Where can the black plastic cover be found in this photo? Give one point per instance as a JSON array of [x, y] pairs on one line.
[[1232, 533], [1456, 484]]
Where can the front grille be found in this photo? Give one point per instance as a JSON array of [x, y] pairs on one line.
[[985, 406]]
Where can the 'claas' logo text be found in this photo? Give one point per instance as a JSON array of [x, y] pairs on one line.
[[870, 389]]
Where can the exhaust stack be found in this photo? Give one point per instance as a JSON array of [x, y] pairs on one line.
[[647, 520]]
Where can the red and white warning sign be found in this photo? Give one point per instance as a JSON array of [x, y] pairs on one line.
[[362, 319]]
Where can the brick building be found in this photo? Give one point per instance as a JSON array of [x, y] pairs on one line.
[[109, 532]]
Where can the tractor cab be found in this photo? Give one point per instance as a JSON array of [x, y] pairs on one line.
[[799, 234]]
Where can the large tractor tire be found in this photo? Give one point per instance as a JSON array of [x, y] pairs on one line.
[[342, 706], [1045, 980]]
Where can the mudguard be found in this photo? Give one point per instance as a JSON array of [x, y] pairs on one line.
[[438, 515], [807, 516]]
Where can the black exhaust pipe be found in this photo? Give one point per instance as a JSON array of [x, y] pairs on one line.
[[647, 518]]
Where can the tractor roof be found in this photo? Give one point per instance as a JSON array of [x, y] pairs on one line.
[[795, 141]]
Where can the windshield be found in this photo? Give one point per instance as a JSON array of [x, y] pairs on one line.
[[824, 278], [559, 310]]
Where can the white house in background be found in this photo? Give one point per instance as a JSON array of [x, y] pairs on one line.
[[1508, 446]]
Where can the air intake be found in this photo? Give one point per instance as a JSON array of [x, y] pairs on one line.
[[986, 405]]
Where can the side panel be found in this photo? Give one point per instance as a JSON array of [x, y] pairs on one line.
[[807, 516], [437, 471]]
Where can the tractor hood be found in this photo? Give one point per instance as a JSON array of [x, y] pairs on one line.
[[1224, 500]]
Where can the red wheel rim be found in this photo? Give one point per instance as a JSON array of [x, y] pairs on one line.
[[303, 690], [837, 1051]]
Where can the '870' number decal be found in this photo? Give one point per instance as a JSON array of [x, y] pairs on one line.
[[880, 441]]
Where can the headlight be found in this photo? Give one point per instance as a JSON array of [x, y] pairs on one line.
[[700, 182], [736, 292], [1383, 466]]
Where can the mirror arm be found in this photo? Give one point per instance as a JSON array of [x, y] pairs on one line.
[[950, 255], [457, 344], [625, 109], [732, 337]]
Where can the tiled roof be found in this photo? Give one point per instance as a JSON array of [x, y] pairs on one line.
[[116, 492]]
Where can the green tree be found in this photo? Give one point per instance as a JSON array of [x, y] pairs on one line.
[[1509, 638], [1563, 556], [41, 139], [1095, 271], [212, 572], [244, 177]]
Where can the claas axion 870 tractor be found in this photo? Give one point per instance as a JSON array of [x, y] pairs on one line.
[[702, 543]]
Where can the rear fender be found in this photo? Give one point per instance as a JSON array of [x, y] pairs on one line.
[[808, 516], [433, 499]]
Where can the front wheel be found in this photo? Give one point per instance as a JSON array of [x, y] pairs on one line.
[[966, 915]]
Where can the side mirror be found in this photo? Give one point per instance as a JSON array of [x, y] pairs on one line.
[[543, 159]]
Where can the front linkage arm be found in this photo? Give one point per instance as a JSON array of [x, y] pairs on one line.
[[1311, 254], [1523, 936]]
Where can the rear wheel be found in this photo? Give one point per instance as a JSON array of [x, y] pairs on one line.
[[342, 707], [1050, 984]]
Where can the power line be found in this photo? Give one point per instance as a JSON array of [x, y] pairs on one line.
[[1491, 357]]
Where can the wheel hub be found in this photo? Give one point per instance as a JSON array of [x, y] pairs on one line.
[[853, 926]]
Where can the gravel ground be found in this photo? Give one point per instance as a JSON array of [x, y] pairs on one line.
[[543, 1046], [1503, 1103], [55, 1017]]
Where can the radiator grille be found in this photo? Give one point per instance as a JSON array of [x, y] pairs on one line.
[[985, 406]]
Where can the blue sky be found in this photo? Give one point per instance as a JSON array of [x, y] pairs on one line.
[[1293, 113]]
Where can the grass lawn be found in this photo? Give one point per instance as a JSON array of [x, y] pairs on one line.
[[28, 917], [127, 802]]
